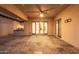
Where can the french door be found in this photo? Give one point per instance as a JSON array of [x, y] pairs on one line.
[[39, 27]]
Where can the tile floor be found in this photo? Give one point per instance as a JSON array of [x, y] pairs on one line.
[[40, 44]]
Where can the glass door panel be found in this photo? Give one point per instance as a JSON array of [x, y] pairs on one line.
[[45, 27], [58, 28], [37, 28], [33, 27], [41, 28]]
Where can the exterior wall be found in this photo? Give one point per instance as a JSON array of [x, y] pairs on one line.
[[70, 31]]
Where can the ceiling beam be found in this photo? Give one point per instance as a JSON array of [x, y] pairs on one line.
[[12, 8], [10, 18]]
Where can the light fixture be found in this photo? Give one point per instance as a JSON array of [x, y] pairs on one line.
[[68, 20], [41, 15]]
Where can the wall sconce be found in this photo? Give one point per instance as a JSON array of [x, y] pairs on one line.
[[68, 20]]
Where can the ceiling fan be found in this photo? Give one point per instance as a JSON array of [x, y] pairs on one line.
[[41, 12]]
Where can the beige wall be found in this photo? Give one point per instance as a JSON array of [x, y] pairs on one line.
[[70, 31], [28, 26], [5, 26], [50, 27]]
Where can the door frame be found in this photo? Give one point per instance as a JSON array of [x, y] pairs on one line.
[[39, 27], [59, 28]]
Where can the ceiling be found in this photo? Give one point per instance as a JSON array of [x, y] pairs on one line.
[[32, 10], [6, 12]]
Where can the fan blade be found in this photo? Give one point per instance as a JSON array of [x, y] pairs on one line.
[[46, 14], [49, 9], [39, 8]]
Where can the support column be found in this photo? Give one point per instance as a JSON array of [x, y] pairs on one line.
[[27, 28]]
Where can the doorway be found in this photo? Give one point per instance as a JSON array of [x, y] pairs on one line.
[[58, 28], [39, 27]]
